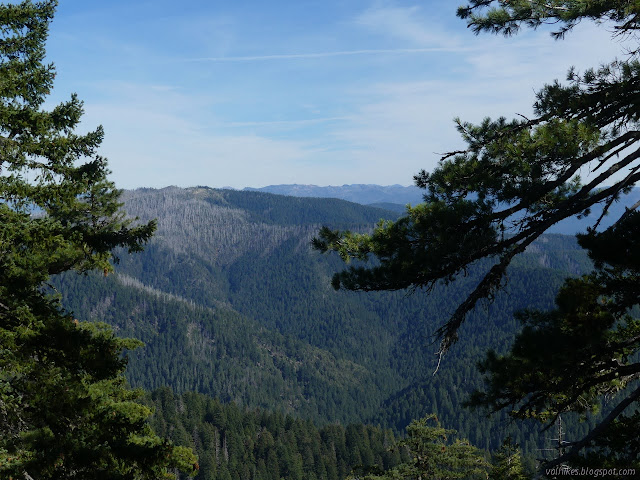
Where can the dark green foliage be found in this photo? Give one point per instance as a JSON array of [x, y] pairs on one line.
[[221, 352], [232, 442], [514, 181], [507, 17], [65, 411], [570, 358], [435, 455], [262, 328], [507, 463], [489, 202], [275, 209]]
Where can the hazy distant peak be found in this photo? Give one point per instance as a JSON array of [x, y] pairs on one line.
[[358, 193]]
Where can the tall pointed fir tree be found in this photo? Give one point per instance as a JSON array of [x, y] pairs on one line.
[[65, 411], [495, 197]]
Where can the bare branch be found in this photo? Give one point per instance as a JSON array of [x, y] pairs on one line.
[[597, 431]]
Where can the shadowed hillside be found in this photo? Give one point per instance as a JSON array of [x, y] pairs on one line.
[[232, 302]]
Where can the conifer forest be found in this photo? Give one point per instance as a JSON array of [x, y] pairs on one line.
[[488, 330]]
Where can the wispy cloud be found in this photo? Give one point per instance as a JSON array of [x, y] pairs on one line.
[[312, 55], [339, 95], [404, 23], [156, 137], [304, 121]]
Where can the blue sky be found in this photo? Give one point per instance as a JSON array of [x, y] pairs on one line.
[[251, 93]]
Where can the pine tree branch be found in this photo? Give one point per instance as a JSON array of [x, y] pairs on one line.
[[622, 185], [484, 289], [573, 205], [597, 431]]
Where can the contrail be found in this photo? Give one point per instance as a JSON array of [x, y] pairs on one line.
[[293, 56]]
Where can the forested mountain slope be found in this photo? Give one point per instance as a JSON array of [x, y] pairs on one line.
[[364, 194], [233, 442], [232, 302], [396, 197]]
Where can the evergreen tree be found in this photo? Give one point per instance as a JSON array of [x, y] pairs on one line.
[[492, 199], [516, 178], [65, 411], [507, 463], [570, 358], [434, 456]]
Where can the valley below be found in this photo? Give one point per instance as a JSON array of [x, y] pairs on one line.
[[234, 305]]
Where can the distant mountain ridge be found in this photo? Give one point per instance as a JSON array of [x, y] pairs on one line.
[[364, 194], [396, 197]]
